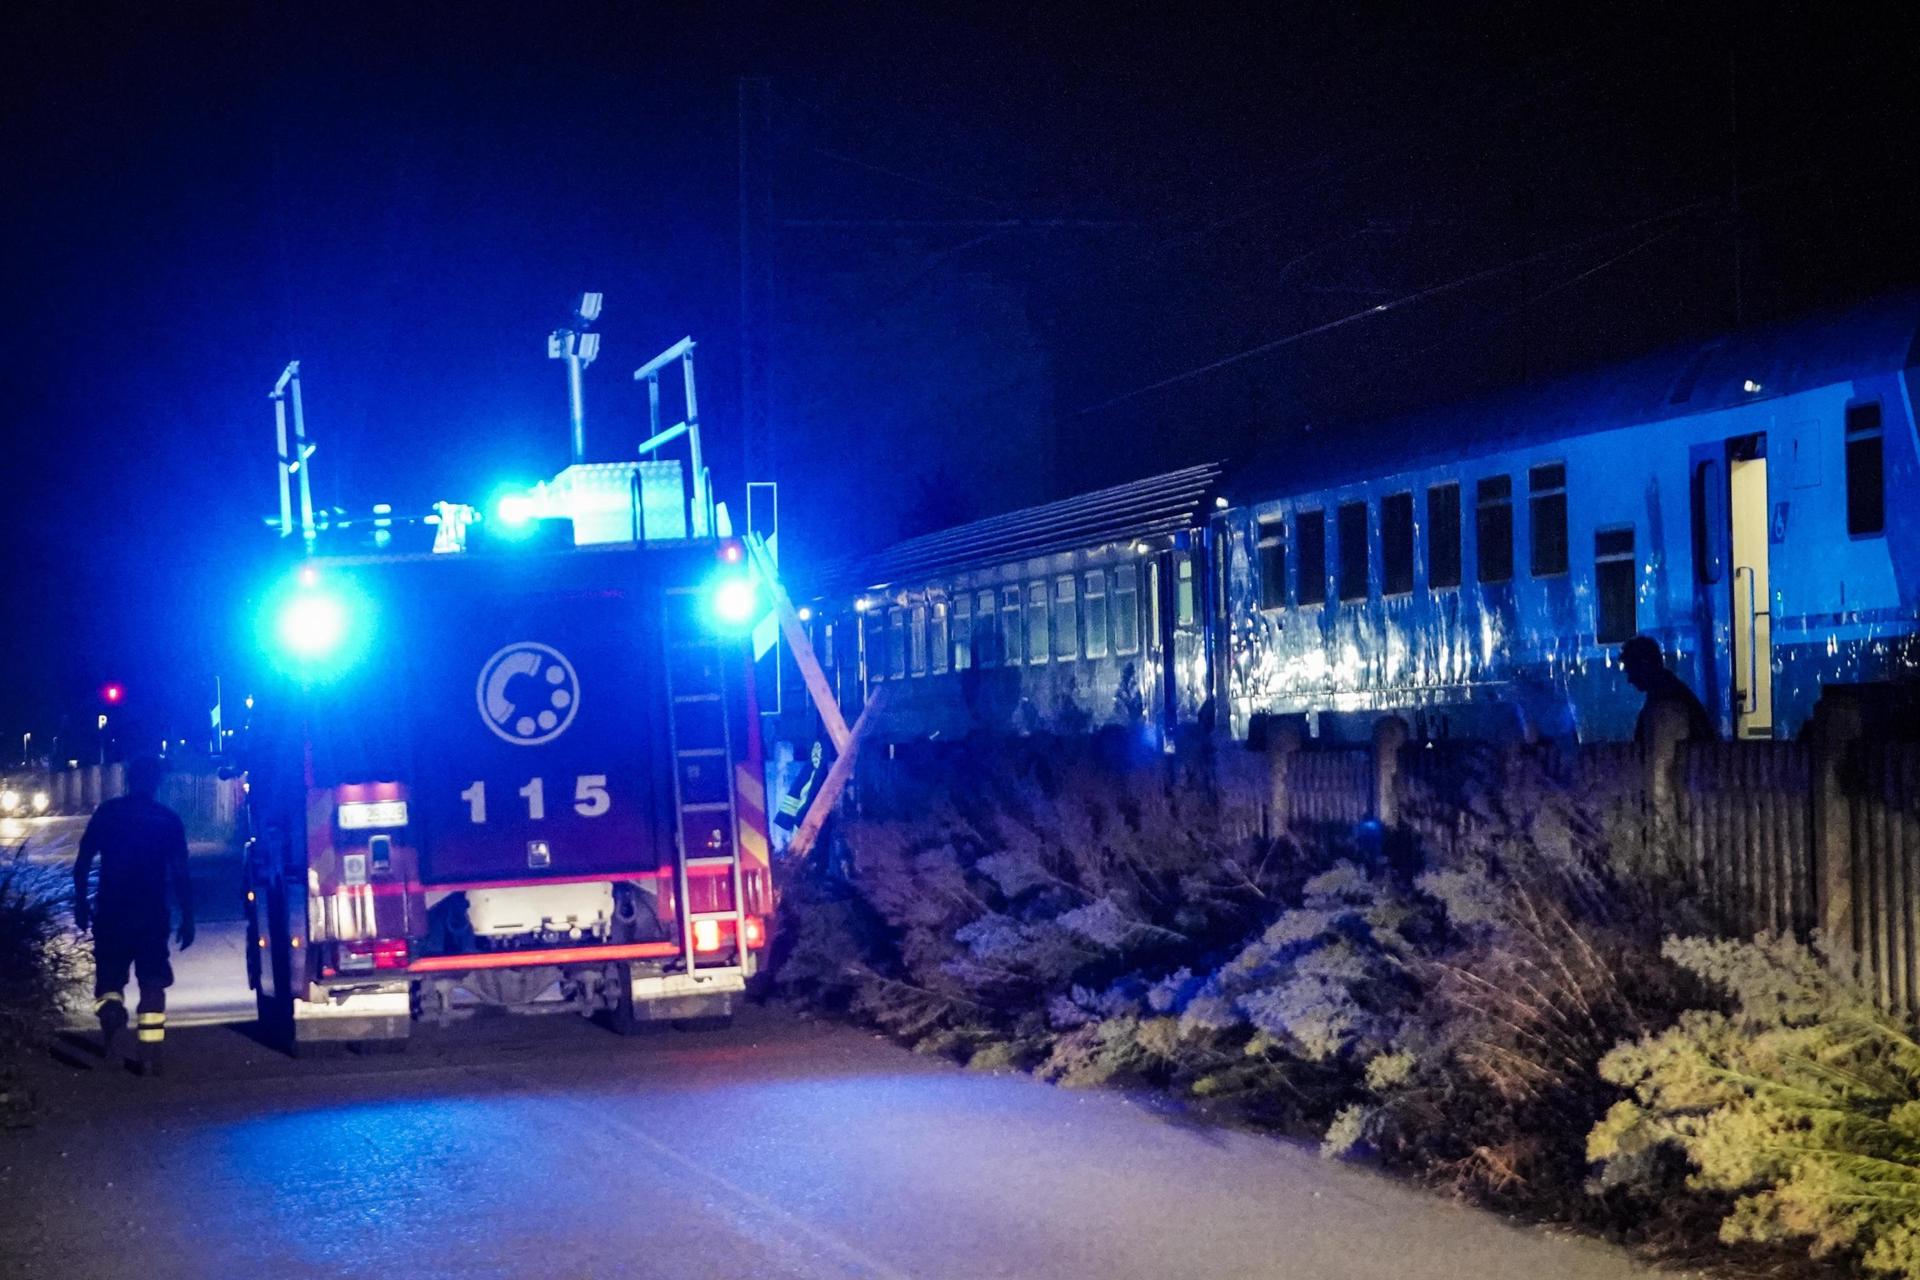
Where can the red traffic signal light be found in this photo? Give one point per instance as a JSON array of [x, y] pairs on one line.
[[113, 693]]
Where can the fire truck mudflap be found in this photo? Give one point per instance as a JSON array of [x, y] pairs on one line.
[[536, 787]]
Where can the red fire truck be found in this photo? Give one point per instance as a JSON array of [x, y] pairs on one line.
[[519, 778]]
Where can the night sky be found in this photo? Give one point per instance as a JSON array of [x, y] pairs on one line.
[[1000, 251]]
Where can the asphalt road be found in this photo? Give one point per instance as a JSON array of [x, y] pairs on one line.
[[547, 1147]]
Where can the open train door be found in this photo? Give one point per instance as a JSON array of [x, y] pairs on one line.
[[1733, 587]]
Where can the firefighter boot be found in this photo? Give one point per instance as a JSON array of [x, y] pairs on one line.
[[153, 1038], [111, 1008]]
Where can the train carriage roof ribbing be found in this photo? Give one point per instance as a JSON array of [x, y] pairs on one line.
[[1152, 507], [1877, 338]]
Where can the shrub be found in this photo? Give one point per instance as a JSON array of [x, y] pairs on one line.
[[1803, 1101], [1542, 956], [1009, 886], [1497, 1071], [39, 963]]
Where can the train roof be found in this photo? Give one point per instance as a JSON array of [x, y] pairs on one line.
[[1151, 507], [1876, 338]]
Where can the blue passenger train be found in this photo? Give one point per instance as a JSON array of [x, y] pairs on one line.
[[1748, 501]]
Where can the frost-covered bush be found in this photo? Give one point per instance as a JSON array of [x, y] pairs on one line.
[[1496, 1072], [39, 966], [1543, 955], [1017, 888], [1803, 1101], [1324, 980]]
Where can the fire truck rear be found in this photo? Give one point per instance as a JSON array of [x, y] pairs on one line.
[[522, 779]]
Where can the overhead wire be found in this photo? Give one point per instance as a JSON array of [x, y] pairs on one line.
[[1420, 295]]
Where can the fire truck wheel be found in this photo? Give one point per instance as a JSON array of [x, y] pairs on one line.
[[622, 1020], [273, 1018]]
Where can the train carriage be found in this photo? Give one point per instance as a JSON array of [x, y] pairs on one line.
[[1473, 567], [1077, 615], [1476, 567]]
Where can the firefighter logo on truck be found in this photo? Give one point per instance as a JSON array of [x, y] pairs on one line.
[[528, 693]]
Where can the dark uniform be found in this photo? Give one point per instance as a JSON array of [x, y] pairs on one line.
[[142, 849], [1663, 688]]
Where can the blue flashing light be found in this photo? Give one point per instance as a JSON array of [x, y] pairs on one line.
[[735, 600], [313, 625], [516, 509], [314, 628]]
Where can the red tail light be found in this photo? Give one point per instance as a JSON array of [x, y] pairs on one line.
[[706, 935], [384, 953], [756, 932]]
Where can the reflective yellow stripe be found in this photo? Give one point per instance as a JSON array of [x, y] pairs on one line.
[[111, 997], [151, 1019], [749, 788], [149, 1035]]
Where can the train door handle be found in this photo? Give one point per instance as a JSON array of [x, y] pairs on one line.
[[1750, 695]]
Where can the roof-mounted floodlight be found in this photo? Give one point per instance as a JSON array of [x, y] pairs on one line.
[[578, 348]]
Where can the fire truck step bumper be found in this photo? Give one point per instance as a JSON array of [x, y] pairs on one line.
[[381, 1013], [673, 996]]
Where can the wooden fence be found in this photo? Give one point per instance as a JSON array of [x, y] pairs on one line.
[[1787, 837], [1747, 822], [1880, 916]]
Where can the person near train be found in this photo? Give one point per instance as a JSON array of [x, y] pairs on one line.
[[1647, 671]]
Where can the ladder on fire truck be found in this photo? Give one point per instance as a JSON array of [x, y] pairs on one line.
[[700, 740]]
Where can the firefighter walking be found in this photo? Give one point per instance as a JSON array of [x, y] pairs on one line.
[[142, 849]]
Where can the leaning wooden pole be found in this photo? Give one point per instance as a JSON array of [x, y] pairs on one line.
[[811, 671], [846, 742], [828, 793]]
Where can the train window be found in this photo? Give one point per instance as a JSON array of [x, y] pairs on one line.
[[1010, 626], [1153, 601], [986, 650], [1866, 471], [1493, 528], [962, 631], [1614, 586], [937, 636], [1547, 518], [1272, 558], [1443, 537], [873, 631], [1126, 609], [1310, 533], [897, 644], [1396, 544], [1222, 569], [1183, 611], [1066, 619], [1709, 521], [1036, 623], [1351, 548], [917, 641], [1093, 593]]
